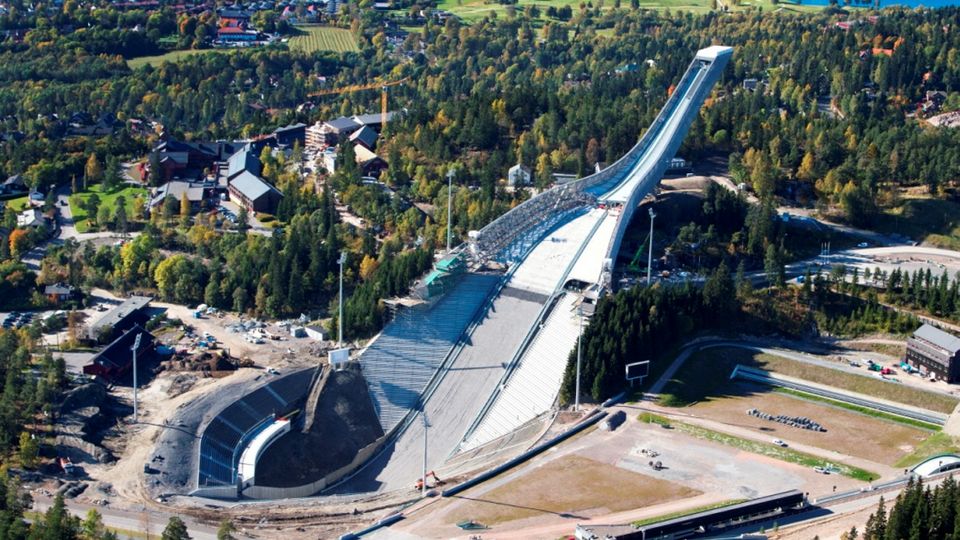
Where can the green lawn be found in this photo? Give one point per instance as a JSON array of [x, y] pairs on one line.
[[858, 409], [109, 200], [19, 204], [172, 56], [705, 376], [938, 443], [474, 10], [314, 38]]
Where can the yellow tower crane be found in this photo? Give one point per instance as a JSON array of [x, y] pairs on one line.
[[358, 87]]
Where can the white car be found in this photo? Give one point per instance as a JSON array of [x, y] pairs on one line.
[[863, 245], [778, 442]]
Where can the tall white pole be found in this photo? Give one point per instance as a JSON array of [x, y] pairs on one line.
[[450, 175], [576, 402], [341, 261], [136, 345], [423, 488], [650, 254]]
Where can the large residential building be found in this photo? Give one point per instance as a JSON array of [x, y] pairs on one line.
[[254, 193], [936, 352]]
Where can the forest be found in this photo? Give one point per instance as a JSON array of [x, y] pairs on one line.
[[919, 511]]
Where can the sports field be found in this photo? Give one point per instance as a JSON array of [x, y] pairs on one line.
[[314, 38], [475, 10], [172, 56]]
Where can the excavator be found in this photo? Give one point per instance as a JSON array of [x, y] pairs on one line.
[[436, 481]]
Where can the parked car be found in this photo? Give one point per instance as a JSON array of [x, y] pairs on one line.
[[780, 443]]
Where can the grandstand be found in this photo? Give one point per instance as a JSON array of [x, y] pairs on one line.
[[227, 435], [533, 386], [400, 362]]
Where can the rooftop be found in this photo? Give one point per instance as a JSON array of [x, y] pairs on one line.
[[934, 335], [251, 186], [117, 315]]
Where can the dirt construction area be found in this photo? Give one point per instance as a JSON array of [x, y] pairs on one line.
[[847, 432], [606, 477], [572, 485]]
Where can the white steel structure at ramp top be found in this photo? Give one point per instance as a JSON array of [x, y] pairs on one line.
[[497, 360]]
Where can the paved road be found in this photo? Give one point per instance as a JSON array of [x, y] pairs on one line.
[[136, 521]]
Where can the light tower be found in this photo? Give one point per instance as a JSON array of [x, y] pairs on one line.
[[450, 174], [341, 261], [136, 345], [576, 398], [426, 424], [650, 253]]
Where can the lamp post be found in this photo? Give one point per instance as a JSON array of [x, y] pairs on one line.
[[576, 398], [423, 487], [136, 345], [341, 261], [450, 174], [650, 253]]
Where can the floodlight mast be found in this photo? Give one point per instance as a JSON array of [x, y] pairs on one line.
[[650, 252], [426, 424], [341, 261], [576, 398], [450, 174], [136, 345]]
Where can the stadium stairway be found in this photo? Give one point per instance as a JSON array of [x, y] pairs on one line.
[[401, 361], [533, 386]]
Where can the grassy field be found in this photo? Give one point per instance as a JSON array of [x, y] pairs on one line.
[[765, 449], [776, 452], [315, 38], [856, 408], [19, 204], [704, 376], [565, 486], [80, 218], [172, 56], [938, 443], [474, 10]]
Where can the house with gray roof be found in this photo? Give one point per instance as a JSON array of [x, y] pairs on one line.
[[365, 136], [254, 193], [195, 192]]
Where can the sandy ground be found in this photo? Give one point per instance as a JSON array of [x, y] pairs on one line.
[[847, 432], [157, 408], [719, 472]]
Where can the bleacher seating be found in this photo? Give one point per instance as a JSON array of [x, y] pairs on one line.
[[400, 362], [224, 436], [533, 386]]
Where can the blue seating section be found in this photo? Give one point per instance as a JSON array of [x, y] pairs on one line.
[[230, 430], [398, 365]]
